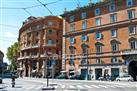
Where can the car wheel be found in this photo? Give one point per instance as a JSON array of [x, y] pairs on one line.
[[118, 80], [130, 80]]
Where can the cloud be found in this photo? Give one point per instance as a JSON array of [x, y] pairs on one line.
[[10, 35]]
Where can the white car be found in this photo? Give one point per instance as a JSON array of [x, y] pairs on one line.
[[124, 78]]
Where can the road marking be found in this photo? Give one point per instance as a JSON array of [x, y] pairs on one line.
[[87, 86], [103, 86], [119, 86], [95, 86], [39, 87], [112, 86], [62, 86], [79, 86], [30, 87], [71, 86]]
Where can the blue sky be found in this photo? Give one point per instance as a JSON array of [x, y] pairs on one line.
[[11, 19]]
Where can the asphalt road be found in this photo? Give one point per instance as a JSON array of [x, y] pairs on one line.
[[34, 84]]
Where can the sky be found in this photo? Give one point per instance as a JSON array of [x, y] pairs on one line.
[[11, 19]]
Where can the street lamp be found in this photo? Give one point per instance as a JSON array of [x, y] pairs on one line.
[[50, 56]]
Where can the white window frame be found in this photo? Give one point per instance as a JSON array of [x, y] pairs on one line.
[[72, 40], [112, 9], [113, 18], [83, 37], [131, 14], [98, 21], [84, 24], [83, 15], [114, 47], [132, 27], [97, 11], [72, 27], [100, 35], [114, 60], [98, 61], [135, 46], [115, 33], [127, 2], [71, 18], [98, 48]]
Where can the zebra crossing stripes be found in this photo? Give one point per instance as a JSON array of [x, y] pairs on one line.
[[87, 86], [95, 86], [103, 86], [80, 87]]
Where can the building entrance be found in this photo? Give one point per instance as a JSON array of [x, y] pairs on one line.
[[114, 72], [132, 69], [98, 73]]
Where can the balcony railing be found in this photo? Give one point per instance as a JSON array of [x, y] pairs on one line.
[[27, 47], [129, 51], [49, 45]]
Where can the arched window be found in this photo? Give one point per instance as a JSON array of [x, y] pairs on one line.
[[133, 43]]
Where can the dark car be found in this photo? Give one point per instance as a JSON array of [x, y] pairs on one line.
[[0, 80], [76, 77]]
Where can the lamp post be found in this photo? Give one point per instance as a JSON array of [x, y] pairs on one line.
[[87, 65], [47, 66]]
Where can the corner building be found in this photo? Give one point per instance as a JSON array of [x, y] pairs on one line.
[[101, 39], [40, 44]]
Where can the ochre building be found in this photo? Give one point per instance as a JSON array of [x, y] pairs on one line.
[[101, 39], [40, 44]]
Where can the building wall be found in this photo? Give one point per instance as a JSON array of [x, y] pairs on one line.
[[40, 39], [121, 25]]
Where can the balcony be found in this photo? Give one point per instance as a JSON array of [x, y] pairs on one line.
[[50, 45], [20, 58], [35, 46], [101, 27], [129, 52], [25, 48]]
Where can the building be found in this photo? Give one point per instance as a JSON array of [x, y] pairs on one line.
[[40, 44], [101, 39], [1, 60]]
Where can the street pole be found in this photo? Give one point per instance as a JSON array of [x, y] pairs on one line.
[[47, 72], [87, 64]]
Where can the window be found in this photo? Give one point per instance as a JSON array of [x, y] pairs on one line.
[[83, 24], [113, 18], [98, 61], [72, 40], [71, 18], [49, 31], [111, 7], [83, 15], [37, 33], [50, 23], [133, 44], [114, 60], [132, 29], [97, 11], [72, 27], [129, 3], [50, 41], [114, 47], [83, 37], [113, 33], [131, 14], [97, 35], [98, 21], [72, 50], [84, 49], [98, 48]]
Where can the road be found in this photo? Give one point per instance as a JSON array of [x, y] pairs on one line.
[[36, 84]]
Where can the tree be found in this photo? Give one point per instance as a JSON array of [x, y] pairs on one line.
[[11, 55]]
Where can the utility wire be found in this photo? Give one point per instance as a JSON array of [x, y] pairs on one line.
[[30, 6], [79, 3], [27, 11], [13, 26], [45, 7]]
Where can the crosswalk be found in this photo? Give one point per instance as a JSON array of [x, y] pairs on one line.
[[78, 86]]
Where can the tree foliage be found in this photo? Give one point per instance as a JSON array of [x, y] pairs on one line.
[[11, 55]]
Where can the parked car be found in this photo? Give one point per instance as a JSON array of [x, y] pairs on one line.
[[0, 80], [62, 76], [75, 77], [124, 78]]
